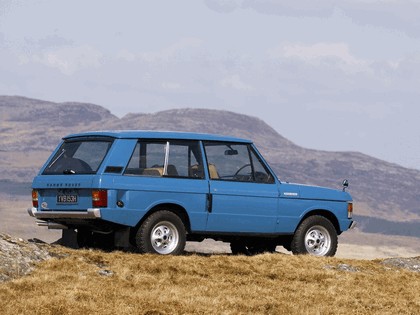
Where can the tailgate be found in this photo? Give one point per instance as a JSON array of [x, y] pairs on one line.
[[64, 192]]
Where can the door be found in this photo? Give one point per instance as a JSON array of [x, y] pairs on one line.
[[243, 192], [168, 173]]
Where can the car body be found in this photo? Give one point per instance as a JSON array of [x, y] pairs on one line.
[[157, 190]]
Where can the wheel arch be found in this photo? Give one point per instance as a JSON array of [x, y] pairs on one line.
[[172, 207], [168, 206], [325, 213]]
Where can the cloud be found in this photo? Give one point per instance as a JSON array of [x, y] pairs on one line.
[[235, 82], [7, 5], [320, 8], [223, 6], [174, 86], [2, 41], [325, 74], [126, 55], [47, 42], [316, 51], [400, 15], [330, 54], [180, 49], [68, 59], [375, 111]]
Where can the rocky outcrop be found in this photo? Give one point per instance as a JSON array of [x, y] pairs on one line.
[[18, 257]]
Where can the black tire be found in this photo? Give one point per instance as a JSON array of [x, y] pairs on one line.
[[84, 238], [104, 242], [249, 248], [88, 239], [163, 232], [317, 236], [239, 248], [286, 242], [261, 248]]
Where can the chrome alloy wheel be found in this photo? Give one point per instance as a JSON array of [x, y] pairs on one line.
[[164, 237], [317, 241]]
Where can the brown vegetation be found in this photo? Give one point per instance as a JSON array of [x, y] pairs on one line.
[[94, 282]]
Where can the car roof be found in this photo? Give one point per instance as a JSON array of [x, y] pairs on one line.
[[147, 134]]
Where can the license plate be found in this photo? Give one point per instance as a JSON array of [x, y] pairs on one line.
[[67, 198]]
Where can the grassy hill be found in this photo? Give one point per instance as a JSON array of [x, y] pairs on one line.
[[95, 282]]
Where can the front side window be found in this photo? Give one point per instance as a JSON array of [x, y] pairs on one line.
[[235, 162], [173, 158], [78, 157]]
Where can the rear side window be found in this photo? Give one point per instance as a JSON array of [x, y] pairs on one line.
[[173, 158], [78, 157]]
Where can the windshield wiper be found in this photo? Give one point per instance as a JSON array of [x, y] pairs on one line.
[[56, 159], [69, 171]]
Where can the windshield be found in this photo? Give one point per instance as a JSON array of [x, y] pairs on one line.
[[78, 157]]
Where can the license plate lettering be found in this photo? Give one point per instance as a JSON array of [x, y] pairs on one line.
[[67, 199]]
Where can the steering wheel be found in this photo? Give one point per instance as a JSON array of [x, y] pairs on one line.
[[236, 175]]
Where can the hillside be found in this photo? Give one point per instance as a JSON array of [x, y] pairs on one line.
[[94, 282], [376, 185], [383, 192]]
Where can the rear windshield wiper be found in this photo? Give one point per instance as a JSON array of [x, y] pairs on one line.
[[69, 171], [56, 159]]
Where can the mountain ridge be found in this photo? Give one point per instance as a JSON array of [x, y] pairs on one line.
[[381, 189]]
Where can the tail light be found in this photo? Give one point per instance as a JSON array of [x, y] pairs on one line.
[[99, 198], [35, 198], [350, 210]]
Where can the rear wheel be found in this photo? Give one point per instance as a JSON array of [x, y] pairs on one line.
[[317, 236], [163, 232]]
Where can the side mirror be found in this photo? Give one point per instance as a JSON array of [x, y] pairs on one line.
[[345, 184]]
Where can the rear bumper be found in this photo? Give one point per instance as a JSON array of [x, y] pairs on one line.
[[352, 225], [92, 213]]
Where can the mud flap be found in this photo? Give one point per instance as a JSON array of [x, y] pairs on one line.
[[69, 238]]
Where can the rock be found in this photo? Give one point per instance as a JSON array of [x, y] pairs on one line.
[[412, 264], [106, 273], [342, 267], [18, 257]]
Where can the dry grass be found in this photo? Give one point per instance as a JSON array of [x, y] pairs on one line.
[[352, 244], [93, 282]]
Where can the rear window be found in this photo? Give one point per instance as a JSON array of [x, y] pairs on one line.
[[173, 158], [78, 157]]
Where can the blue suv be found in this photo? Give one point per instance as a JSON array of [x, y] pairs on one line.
[[157, 190]]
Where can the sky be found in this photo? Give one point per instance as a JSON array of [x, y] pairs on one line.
[[328, 75]]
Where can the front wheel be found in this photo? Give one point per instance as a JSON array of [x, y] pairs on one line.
[[163, 232], [317, 236]]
